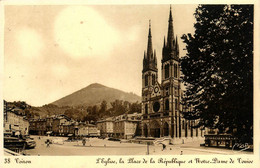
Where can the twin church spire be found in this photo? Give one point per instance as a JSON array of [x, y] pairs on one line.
[[150, 60], [170, 48]]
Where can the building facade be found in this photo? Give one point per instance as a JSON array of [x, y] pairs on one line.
[[37, 126], [161, 102], [126, 126], [106, 127], [86, 129], [15, 123]]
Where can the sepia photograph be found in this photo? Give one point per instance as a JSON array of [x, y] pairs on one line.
[[128, 80]]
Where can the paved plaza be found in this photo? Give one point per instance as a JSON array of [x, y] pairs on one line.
[[95, 146]]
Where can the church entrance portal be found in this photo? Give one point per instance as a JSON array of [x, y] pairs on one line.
[[165, 129], [155, 129], [145, 130]]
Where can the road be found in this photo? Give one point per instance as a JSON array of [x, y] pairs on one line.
[[95, 146]]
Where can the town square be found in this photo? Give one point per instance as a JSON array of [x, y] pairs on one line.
[[130, 80]]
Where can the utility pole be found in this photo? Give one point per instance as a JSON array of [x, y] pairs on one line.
[[147, 148]]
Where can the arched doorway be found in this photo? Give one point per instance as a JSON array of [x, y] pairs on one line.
[[165, 129], [167, 104], [155, 129], [138, 131], [145, 130]]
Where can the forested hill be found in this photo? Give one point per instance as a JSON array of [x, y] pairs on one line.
[[94, 94], [88, 104]]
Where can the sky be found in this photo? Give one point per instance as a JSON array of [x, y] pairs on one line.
[[53, 51]]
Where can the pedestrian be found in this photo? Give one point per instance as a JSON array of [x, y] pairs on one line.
[[48, 143], [84, 141], [164, 146]]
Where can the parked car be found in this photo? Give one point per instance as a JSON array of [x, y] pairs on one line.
[[102, 137], [14, 143], [113, 139], [30, 143]]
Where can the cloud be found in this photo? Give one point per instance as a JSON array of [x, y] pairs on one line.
[[134, 33], [81, 32], [60, 70], [29, 42]]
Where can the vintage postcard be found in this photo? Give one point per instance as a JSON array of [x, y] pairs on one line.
[[113, 84]]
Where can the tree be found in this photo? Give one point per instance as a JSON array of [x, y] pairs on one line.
[[135, 107], [118, 107], [218, 69], [103, 108]]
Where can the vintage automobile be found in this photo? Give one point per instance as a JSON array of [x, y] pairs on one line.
[[30, 143], [114, 139], [14, 143]]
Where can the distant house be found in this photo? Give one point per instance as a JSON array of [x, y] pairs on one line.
[[61, 125], [86, 129], [37, 126], [106, 127], [57, 121], [15, 122], [49, 121], [126, 126]]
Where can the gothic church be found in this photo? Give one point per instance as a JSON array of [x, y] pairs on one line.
[[161, 102]]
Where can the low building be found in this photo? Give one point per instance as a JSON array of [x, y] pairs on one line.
[[86, 129], [65, 127], [57, 122], [37, 127], [15, 123], [106, 127], [49, 122], [126, 126]]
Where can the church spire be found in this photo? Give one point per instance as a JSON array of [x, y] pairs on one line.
[[155, 58], [164, 42], [149, 45], [150, 60], [177, 45], [170, 37]]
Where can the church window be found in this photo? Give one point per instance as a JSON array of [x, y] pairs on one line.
[[175, 71], [153, 79], [167, 104], [156, 106], [146, 109], [167, 91], [176, 91], [166, 71], [146, 80], [176, 104]]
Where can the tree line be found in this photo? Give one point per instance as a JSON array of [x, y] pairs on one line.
[[78, 113]]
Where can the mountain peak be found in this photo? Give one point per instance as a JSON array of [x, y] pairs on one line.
[[95, 85], [94, 94]]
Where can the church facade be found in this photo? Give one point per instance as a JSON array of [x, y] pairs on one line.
[[161, 102]]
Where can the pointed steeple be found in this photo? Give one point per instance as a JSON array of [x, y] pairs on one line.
[[149, 34], [155, 58], [164, 44], [150, 60], [170, 17], [177, 45], [170, 46], [170, 37], [149, 45]]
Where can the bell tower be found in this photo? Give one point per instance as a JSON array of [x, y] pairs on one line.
[[150, 71], [171, 78]]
